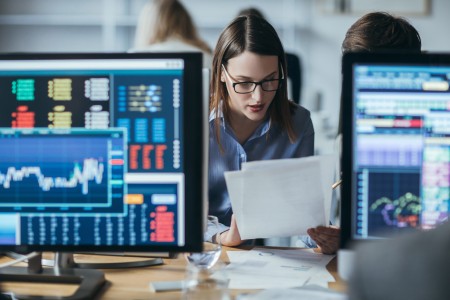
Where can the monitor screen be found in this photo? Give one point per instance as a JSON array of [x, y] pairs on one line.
[[101, 152], [396, 143]]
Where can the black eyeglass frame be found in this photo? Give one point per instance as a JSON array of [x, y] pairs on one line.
[[255, 83]]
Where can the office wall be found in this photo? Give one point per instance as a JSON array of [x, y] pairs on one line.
[[325, 36], [303, 25]]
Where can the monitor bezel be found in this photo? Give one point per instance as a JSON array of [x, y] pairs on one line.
[[193, 124], [349, 60]]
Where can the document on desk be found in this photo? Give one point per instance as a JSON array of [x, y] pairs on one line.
[[279, 198], [295, 294], [271, 268]]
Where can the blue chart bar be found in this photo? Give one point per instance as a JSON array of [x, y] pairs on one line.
[[70, 171], [159, 130], [141, 130], [125, 123]]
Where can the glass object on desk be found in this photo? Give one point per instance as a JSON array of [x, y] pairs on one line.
[[206, 284], [205, 274], [211, 252]]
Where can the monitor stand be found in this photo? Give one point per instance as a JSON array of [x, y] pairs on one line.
[[90, 281], [68, 259]]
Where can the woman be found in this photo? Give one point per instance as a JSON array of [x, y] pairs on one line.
[[251, 117], [166, 26]]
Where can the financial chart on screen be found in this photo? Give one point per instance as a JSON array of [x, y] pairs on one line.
[[401, 148], [50, 177], [54, 170], [92, 151]]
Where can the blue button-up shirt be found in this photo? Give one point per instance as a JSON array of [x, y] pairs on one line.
[[267, 142]]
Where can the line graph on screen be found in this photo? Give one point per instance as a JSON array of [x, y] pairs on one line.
[[73, 172]]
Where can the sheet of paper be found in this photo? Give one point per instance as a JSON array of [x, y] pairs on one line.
[[321, 278], [278, 198], [327, 165], [295, 294], [235, 183], [272, 268], [236, 256]]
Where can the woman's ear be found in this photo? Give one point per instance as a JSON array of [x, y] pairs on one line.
[[222, 76]]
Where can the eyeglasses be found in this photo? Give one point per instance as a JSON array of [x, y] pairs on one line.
[[247, 87]]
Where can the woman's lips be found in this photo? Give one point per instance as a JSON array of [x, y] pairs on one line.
[[256, 107]]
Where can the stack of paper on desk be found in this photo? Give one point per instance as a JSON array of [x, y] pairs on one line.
[[278, 198], [315, 293], [273, 268]]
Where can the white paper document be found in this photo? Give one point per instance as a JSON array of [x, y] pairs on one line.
[[279, 198], [296, 294], [272, 268]]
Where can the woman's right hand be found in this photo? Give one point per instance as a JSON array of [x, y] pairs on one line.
[[231, 237], [327, 238]]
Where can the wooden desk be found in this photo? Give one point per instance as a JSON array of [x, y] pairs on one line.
[[134, 283]]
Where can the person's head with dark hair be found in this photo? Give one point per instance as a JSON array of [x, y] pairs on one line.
[[250, 40], [251, 11], [378, 31]]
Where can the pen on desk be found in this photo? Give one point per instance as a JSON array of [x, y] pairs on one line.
[[336, 184]]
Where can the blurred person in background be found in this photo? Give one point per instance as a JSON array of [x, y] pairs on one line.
[[166, 26], [375, 31]]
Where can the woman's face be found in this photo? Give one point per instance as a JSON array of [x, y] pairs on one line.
[[247, 67]]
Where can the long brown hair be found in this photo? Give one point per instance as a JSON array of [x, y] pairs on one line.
[[256, 35], [160, 20]]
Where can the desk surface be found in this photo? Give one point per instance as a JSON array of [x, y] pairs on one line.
[[134, 283]]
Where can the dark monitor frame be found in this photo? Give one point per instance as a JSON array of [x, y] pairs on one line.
[[193, 155], [347, 159]]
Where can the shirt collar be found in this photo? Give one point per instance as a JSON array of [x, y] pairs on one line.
[[212, 114], [262, 129]]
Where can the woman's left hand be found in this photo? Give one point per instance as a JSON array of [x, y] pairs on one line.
[[231, 238], [327, 238]]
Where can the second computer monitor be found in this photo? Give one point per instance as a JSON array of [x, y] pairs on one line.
[[396, 143]]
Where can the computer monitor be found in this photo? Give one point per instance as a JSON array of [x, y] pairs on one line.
[[396, 144], [153, 101]]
